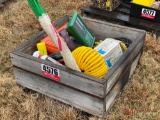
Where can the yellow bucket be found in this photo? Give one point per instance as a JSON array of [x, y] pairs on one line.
[[147, 3]]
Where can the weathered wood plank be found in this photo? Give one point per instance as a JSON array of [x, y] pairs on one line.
[[77, 89], [135, 63], [30, 57], [110, 98], [114, 92], [78, 82], [120, 84], [122, 64], [59, 92], [103, 30]]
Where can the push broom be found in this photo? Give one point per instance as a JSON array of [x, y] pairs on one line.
[[49, 28]]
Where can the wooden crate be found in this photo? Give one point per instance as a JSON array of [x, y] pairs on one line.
[[77, 89]]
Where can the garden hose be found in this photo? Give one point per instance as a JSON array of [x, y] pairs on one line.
[[123, 46], [90, 61]]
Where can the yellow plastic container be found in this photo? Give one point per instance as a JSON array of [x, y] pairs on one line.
[[147, 3], [42, 48]]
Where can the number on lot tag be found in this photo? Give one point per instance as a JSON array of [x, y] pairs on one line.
[[148, 13], [50, 72]]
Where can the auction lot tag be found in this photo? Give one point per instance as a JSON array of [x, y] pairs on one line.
[[148, 13], [50, 72]]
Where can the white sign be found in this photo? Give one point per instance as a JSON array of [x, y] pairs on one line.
[[148, 13], [50, 72]]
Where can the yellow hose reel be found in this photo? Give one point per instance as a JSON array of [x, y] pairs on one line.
[[90, 61]]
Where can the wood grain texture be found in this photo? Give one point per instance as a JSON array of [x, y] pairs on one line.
[[66, 78], [116, 72], [99, 87], [135, 63], [110, 98], [59, 92], [77, 89], [104, 30]]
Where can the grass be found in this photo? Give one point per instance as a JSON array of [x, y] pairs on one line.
[[139, 100]]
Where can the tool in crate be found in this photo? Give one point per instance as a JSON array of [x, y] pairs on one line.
[[49, 28], [141, 14]]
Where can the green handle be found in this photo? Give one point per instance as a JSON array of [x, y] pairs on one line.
[[36, 8]]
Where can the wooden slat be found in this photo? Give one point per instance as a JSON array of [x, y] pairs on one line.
[[59, 92], [66, 77], [120, 84], [128, 71], [135, 63], [30, 57], [102, 30], [108, 30], [77, 89], [116, 72], [110, 98]]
